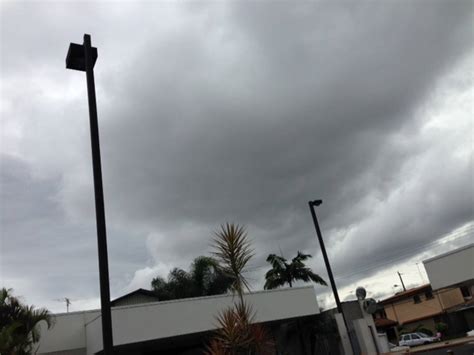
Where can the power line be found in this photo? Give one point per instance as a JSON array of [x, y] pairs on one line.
[[400, 255], [375, 265], [422, 245]]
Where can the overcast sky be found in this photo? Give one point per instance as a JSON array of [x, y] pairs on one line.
[[214, 112]]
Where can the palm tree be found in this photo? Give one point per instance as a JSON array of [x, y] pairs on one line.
[[283, 272], [205, 278], [19, 324]]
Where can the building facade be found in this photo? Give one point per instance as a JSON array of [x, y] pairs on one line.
[[455, 270], [447, 299], [421, 306]]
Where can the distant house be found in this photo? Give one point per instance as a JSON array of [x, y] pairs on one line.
[[414, 308], [385, 325], [139, 296], [448, 298], [455, 270]]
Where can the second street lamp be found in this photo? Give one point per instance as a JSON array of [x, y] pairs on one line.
[[82, 58], [312, 205]]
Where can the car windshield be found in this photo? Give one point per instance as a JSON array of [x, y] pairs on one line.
[[423, 335]]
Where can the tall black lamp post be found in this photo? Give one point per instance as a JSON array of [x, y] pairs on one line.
[[312, 205], [82, 58]]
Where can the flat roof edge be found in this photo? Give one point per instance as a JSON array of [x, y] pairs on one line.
[[468, 246], [284, 289]]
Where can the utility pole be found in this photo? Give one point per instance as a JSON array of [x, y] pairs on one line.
[[401, 280]]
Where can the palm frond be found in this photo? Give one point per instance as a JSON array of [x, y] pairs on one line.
[[274, 279], [277, 262], [316, 278], [19, 324], [300, 257], [283, 272]]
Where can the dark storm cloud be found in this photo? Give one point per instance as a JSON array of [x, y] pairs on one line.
[[243, 112], [245, 119], [43, 254]]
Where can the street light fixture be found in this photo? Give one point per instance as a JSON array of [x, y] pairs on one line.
[[83, 58], [313, 204]]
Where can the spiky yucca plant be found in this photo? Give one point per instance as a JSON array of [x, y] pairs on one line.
[[233, 251], [234, 327], [236, 334]]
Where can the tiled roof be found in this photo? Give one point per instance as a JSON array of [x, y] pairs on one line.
[[406, 294], [140, 291], [384, 322]]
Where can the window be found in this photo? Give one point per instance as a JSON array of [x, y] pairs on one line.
[[417, 299], [465, 292], [414, 336], [429, 294]]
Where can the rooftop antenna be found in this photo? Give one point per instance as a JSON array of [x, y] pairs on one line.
[[400, 276], [66, 300]]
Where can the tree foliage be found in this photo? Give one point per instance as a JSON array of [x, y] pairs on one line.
[[19, 329], [441, 327], [205, 278], [283, 272]]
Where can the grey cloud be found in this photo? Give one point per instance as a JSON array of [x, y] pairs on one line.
[[198, 142], [41, 246], [277, 138]]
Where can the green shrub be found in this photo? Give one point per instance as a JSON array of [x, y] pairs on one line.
[[441, 327]]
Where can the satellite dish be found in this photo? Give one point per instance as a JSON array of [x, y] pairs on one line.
[[370, 305], [361, 293]]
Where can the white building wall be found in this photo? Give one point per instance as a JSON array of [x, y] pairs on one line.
[[172, 318], [75, 333], [68, 332], [451, 268]]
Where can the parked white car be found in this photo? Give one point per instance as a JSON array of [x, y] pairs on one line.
[[414, 339]]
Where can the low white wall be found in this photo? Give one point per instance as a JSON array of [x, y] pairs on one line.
[[165, 319], [365, 336], [68, 332], [451, 268]]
